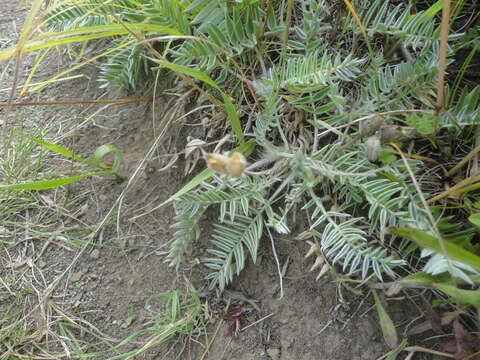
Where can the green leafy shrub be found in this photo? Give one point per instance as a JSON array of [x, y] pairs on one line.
[[332, 111]]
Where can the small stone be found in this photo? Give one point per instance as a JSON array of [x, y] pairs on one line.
[[78, 297], [95, 254], [274, 353], [76, 276]]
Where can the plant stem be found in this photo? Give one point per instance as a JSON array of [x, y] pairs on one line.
[[285, 37], [442, 61], [73, 102]]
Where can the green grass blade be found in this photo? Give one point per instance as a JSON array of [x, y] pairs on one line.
[[443, 282], [395, 352], [428, 241], [434, 9], [464, 297], [84, 34], [200, 75], [49, 184], [77, 66], [62, 151], [195, 73], [246, 148], [28, 24], [197, 180], [233, 117]]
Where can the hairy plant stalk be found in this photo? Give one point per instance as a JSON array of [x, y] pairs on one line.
[[442, 64]]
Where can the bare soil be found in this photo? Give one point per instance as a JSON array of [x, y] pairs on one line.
[[111, 281]]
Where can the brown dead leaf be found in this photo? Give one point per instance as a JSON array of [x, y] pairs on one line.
[[465, 346], [420, 328], [447, 317], [193, 152]]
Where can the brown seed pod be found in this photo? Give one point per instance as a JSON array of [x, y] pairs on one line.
[[216, 162], [373, 148], [233, 166], [370, 126], [236, 164]]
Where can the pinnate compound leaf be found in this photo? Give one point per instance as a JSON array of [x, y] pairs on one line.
[[423, 123]]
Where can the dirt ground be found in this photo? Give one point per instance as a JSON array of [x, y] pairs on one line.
[[110, 282]]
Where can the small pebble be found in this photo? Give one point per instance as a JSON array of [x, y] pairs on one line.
[[95, 254], [76, 276], [274, 353]]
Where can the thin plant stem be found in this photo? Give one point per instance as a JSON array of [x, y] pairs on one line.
[[454, 189], [277, 261], [427, 209], [442, 62], [462, 162], [77, 101]]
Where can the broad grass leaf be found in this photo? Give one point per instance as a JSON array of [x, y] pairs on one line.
[[434, 9], [388, 328], [464, 297], [195, 73], [475, 219], [395, 352], [428, 241], [443, 282]]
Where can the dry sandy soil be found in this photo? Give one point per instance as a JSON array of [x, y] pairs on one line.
[[110, 281]]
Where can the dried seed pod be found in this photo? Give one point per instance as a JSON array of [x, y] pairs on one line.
[[193, 151], [322, 272], [373, 147], [389, 133], [192, 145], [318, 262], [216, 162], [314, 249], [236, 164], [233, 166], [370, 126]]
